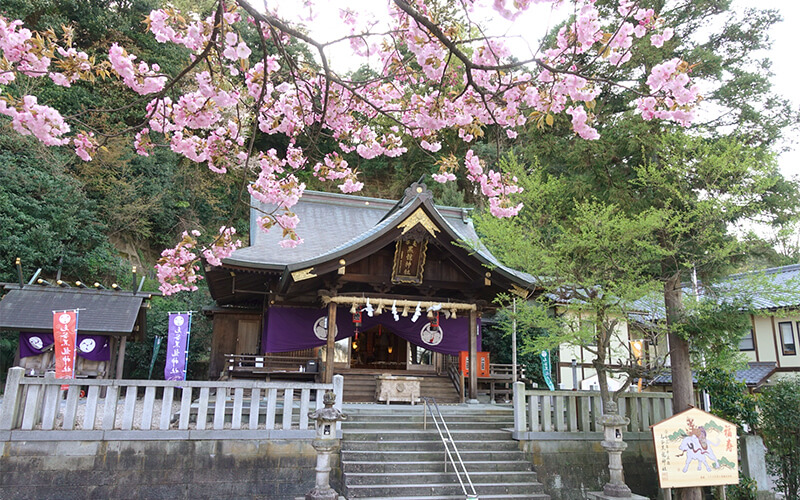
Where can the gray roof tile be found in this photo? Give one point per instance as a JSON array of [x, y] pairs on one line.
[[754, 375], [105, 312], [330, 223]]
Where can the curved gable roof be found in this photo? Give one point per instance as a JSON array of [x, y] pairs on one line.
[[333, 225]]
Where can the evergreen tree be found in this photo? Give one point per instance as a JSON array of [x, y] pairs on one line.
[[699, 183]]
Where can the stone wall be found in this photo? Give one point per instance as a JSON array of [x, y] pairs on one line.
[[163, 469], [569, 468]]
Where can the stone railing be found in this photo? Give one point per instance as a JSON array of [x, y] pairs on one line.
[[49, 409], [541, 414]]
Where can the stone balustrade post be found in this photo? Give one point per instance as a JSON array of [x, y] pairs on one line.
[[12, 397], [519, 407]]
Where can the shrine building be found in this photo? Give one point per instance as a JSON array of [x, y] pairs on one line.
[[108, 319], [379, 286]]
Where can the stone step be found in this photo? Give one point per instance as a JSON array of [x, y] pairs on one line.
[[434, 463], [517, 490], [422, 478], [429, 445], [448, 409], [414, 426], [430, 434], [417, 416], [360, 387], [440, 395], [533, 496], [406, 456]]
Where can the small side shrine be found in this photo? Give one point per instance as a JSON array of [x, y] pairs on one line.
[[379, 286], [107, 320]]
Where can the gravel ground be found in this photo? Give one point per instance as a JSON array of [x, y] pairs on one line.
[[137, 414], [174, 412]]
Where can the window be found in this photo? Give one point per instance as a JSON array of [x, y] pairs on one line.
[[787, 338], [747, 344]]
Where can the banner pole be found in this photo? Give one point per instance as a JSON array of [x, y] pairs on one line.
[[156, 348], [188, 338]]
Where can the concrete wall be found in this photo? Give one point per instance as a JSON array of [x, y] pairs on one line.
[[570, 468], [228, 469]]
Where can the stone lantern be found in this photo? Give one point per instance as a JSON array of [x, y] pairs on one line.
[[613, 425], [325, 443]]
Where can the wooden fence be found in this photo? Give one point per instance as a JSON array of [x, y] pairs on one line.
[[154, 409], [540, 412]]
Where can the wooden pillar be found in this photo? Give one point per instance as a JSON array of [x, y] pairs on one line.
[[473, 355], [123, 342], [331, 343], [111, 372]]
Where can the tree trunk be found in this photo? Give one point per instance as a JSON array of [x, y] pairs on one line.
[[613, 423], [682, 386]]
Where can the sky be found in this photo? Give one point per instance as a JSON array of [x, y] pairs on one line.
[[786, 43], [537, 21]]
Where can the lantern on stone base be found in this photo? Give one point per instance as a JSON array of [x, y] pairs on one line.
[[325, 444]]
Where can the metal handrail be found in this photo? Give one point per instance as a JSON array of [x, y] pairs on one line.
[[448, 441], [457, 379]]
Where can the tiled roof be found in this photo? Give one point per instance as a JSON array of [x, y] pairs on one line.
[[772, 288], [766, 289], [331, 223], [754, 375], [327, 220], [101, 311]]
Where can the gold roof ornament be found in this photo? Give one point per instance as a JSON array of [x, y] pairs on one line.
[[519, 291], [418, 217], [303, 274]]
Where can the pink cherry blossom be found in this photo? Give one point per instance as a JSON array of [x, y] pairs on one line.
[[84, 144], [222, 247], [142, 78], [444, 177], [30, 118], [443, 97]]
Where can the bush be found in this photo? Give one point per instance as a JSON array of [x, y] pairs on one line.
[[139, 354], [729, 398], [780, 414], [745, 490]]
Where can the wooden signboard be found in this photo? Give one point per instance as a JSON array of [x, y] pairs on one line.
[[695, 448], [409, 261]]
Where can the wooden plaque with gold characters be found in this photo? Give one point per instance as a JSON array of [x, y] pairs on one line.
[[409, 261], [695, 448]]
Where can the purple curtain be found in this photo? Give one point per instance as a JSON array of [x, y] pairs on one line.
[[292, 329], [93, 347]]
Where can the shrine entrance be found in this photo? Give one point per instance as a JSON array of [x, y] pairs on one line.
[[392, 272], [380, 349]]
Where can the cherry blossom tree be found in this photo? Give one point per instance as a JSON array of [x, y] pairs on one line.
[[435, 71]]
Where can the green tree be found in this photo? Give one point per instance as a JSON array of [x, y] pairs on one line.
[[590, 261], [496, 338], [729, 398], [46, 219], [780, 412], [704, 187], [144, 202], [703, 181], [139, 354]]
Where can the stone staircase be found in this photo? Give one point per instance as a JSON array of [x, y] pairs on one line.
[[387, 454], [360, 387]]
